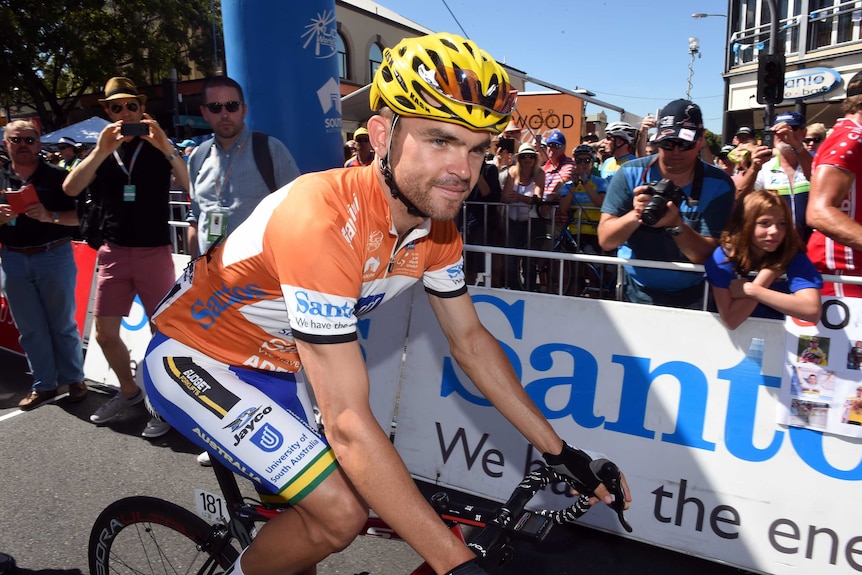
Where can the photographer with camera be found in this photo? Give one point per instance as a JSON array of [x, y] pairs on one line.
[[129, 175], [669, 207]]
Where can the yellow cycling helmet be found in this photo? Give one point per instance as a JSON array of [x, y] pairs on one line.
[[444, 77]]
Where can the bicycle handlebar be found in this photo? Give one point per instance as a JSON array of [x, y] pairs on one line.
[[511, 516]]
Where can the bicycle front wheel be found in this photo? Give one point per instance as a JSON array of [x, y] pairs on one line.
[[148, 535]]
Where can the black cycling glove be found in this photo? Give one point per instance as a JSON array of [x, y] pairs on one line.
[[468, 568], [575, 464]]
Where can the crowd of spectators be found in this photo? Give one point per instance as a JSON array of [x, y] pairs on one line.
[[696, 224]]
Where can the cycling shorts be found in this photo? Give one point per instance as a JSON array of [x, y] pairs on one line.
[[259, 424]]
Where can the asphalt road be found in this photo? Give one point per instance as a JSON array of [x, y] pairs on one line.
[[58, 471]]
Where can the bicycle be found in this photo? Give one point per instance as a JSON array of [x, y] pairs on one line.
[[142, 534], [556, 276]]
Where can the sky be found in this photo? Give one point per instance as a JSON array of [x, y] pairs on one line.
[[630, 53]]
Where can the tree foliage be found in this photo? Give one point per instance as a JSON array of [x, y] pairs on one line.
[[53, 51]]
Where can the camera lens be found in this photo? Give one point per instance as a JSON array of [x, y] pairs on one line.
[[654, 210]]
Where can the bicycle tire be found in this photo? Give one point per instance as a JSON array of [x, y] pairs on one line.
[[542, 275], [147, 535]]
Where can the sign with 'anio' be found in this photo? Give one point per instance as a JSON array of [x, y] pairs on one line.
[[809, 82]]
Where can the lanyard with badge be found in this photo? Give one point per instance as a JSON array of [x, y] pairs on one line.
[[129, 188], [217, 217]]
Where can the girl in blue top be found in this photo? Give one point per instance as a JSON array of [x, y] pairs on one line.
[[758, 240]]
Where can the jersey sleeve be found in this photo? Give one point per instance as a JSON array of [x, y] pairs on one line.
[[719, 271], [801, 274], [619, 198], [444, 272], [318, 267]]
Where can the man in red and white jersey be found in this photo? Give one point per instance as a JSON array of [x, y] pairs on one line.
[[834, 204], [275, 308]]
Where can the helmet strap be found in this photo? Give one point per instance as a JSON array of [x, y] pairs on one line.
[[386, 170]]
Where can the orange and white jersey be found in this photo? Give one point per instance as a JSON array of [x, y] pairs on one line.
[[311, 258]]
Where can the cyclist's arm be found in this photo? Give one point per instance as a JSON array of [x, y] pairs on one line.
[[829, 187], [339, 378], [485, 363]]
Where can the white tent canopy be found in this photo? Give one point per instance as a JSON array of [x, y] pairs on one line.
[[86, 132]]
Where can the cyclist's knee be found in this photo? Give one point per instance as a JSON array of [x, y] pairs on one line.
[[338, 512]]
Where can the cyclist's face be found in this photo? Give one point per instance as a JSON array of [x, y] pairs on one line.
[[583, 164], [436, 164]]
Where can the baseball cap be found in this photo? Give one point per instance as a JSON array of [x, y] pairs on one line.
[[854, 86], [526, 148], [745, 131], [67, 141], [680, 119], [360, 132], [556, 138], [725, 150], [794, 119]]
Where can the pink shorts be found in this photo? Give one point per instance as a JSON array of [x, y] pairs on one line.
[[124, 272]]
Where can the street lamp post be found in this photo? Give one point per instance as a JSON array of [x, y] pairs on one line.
[[693, 48], [724, 119]]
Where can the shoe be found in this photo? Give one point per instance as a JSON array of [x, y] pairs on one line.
[[77, 391], [36, 398], [7, 563], [156, 428], [115, 406], [204, 459]]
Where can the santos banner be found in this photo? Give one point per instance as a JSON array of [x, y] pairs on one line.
[[688, 409]]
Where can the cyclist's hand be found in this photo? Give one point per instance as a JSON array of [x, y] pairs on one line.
[[598, 478], [468, 568]]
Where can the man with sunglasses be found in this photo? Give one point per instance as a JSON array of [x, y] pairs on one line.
[[68, 153], [688, 231], [619, 145], [129, 177], [39, 269], [226, 180], [559, 167], [311, 259], [788, 172], [364, 153]]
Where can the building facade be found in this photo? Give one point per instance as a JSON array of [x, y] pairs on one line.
[[822, 43]]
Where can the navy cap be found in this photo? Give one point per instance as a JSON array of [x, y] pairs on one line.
[[556, 138], [680, 119], [794, 119]]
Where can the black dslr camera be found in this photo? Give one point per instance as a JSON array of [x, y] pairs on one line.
[[663, 191]]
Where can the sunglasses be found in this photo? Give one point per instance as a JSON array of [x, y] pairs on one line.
[[812, 140], [555, 146], [29, 140], [215, 107], [671, 144], [528, 156], [130, 106], [358, 140], [583, 160]]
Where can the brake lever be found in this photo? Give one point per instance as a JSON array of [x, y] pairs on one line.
[[611, 477]]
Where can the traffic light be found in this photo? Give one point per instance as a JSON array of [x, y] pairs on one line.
[[770, 79]]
